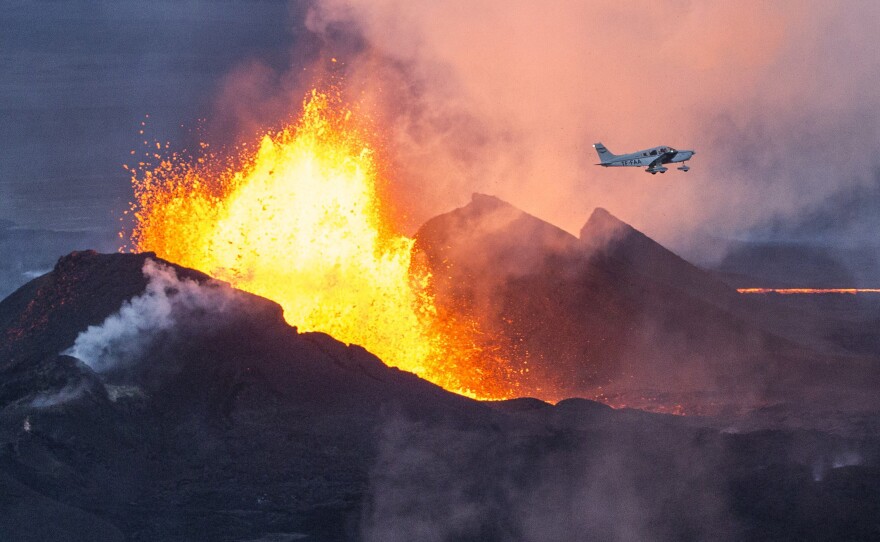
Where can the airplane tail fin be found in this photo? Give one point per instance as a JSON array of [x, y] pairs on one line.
[[604, 154]]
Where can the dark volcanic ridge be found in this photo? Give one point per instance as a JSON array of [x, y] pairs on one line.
[[187, 431], [144, 401], [616, 316]]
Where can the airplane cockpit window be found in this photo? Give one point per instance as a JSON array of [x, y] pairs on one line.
[[654, 152]]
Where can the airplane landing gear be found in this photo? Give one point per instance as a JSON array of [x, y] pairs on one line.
[[684, 167]]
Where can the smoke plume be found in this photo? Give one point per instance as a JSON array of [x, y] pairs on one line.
[[507, 99], [437, 483], [167, 302], [71, 391]]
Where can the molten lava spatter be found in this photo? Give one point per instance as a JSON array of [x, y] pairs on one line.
[[299, 221]]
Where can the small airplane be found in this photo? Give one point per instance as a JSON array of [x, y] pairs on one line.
[[652, 159]]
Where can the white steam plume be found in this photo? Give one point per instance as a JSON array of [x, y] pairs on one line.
[[125, 336], [69, 392]]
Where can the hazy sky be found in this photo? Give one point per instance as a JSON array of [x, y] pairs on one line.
[[778, 99], [78, 77]]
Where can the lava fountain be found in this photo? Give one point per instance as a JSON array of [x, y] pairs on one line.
[[298, 219]]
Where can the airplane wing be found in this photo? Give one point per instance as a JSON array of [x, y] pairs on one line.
[[657, 164], [657, 161], [661, 159]]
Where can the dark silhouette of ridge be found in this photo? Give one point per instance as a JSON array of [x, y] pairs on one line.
[[609, 235], [612, 310]]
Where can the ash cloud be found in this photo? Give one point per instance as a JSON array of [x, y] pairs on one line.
[[507, 99], [168, 305]]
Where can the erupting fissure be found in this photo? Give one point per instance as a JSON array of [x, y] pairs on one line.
[[299, 221], [803, 291]]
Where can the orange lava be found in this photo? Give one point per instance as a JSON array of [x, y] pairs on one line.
[[297, 219], [792, 291]]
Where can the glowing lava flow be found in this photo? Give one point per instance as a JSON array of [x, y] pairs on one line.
[[794, 291], [299, 221]]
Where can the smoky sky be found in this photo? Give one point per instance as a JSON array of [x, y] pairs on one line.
[[775, 97], [778, 99]]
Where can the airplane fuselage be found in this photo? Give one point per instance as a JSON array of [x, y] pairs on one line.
[[638, 159], [652, 159]]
